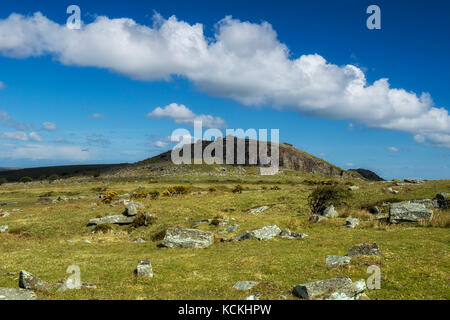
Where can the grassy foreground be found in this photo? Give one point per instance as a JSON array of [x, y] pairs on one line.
[[415, 260]]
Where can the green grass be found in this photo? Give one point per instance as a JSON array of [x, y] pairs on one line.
[[415, 263]]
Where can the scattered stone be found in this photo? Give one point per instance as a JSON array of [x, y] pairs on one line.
[[131, 209], [366, 249], [317, 218], [4, 214], [409, 212], [283, 297], [258, 210], [351, 222], [187, 238], [316, 289], [353, 291], [265, 233], [3, 229], [139, 240], [298, 235], [428, 203], [287, 234], [116, 219], [391, 190], [31, 282], [196, 223], [245, 285], [28, 216], [353, 188], [252, 297], [86, 241], [411, 180], [144, 269], [330, 212], [337, 260], [11, 203], [230, 229], [16, 294]]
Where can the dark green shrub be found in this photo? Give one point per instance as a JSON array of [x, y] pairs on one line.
[[26, 179], [322, 197], [53, 177], [3, 181], [143, 220]]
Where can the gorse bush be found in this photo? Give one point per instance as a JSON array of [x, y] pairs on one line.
[[238, 188], [109, 196], [139, 195], [212, 189], [26, 179], [322, 197], [275, 188], [181, 189]]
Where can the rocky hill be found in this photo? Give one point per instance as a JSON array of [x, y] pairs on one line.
[[289, 157]]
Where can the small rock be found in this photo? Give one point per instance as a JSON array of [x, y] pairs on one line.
[[337, 260], [265, 233], [116, 219], [409, 212], [351, 222], [352, 291], [198, 222], [258, 210], [139, 240], [443, 200], [316, 289], [283, 298], [366, 249], [86, 241], [31, 282], [353, 188], [230, 229], [144, 269], [187, 238], [131, 209], [245, 285], [252, 297], [3, 228], [330, 212], [16, 294]]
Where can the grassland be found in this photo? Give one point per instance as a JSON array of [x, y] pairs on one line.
[[415, 262]]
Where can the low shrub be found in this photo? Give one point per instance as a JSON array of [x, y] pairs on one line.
[[238, 188], [322, 197], [103, 228], [143, 220], [212, 189], [3, 181], [139, 195], [153, 194], [26, 179], [275, 188], [181, 190]]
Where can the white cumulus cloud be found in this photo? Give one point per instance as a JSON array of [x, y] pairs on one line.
[[49, 126], [243, 61], [182, 114]]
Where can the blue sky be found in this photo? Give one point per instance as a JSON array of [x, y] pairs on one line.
[[88, 100]]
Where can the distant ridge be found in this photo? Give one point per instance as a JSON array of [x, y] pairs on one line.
[[367, 174]]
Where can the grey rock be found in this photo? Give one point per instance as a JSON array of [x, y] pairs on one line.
[[317, 289], [409, 212], [230, 229], [252, 297], [337, 260], [258, 210], [139, 240], [298, 235], [353, 188], [352, 291], [187, 238], [16, 294], [411, 180], [366, 249], [31, 282], [317, 218], [70, 285], [116, 219], [4, 214], [144, 269], [351, 222], [330, 212], [3, 228], [198, 222], [429, 203], [131, 209], [245, 285], [265, 233]]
